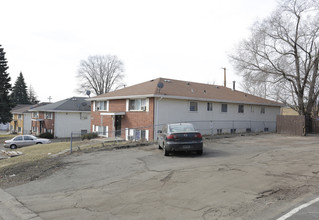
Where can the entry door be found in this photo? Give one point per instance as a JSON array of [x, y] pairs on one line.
[[117, 125]]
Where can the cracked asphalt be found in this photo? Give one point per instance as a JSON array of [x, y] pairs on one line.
[[243, 177]]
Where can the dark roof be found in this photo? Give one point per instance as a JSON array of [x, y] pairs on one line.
[[73, 104], [23, 108], [185, 90]]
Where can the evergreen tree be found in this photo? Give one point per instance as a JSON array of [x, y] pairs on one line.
[[5, 87], [19, 93], [32, 97]]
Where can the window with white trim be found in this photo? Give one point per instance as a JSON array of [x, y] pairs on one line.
[[136, 134], [209, 106], [20, 116], [102, 106], [137, 104], [35, 114], [48, 115], [101, 130], [262, 110]]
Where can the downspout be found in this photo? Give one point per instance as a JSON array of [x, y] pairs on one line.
[[157, 117]]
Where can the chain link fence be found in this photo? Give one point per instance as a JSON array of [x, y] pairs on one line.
[[149, 133], [209, 127]]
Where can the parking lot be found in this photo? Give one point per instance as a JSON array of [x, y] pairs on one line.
[[243, 177]]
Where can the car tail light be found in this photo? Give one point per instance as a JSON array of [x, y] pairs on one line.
[[199, 136], [171, 137]]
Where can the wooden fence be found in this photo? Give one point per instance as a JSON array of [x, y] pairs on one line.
[[294, 125], [315, 125]]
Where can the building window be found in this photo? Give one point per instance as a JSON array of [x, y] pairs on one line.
[[193, 106], [101, 106], [48, 115], [252, 109], [262, 110], [48, 130], [240, 108], [209, 106], [136, 134], [35, 114], [137, 105], [219, 131], [35, 129], [224, 108], [83, 116], [101, 130], [19, 116], [19, 130]]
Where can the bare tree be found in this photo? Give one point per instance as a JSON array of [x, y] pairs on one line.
[[281, 57], [101, 74]]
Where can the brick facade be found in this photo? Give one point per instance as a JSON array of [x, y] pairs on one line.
[[42, 123], [141, 120]]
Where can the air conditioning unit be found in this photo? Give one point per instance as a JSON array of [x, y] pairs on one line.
[[143, 108]]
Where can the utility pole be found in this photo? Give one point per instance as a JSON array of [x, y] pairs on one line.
[[49, 98]]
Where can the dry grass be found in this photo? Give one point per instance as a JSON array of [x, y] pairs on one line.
[[42, 151], [34, 153], [4, 137]]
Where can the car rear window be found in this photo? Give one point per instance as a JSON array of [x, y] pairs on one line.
[[29, 138], [181, 128]]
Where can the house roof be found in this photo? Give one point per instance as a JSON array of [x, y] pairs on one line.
[[177, 89], [23, 108], [73, 104]]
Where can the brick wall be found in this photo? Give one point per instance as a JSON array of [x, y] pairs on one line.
[[143, 120], [46, 123]]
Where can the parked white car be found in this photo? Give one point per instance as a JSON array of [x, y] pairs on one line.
[[24, 140]]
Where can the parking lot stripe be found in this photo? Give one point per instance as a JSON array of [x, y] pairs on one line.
[[295, 210]]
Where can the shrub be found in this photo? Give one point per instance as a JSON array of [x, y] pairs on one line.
[[89, 136], [46, 135]]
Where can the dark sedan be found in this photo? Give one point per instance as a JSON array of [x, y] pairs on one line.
[[180, 137]]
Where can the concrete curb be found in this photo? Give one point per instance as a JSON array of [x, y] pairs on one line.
[[12, 209]]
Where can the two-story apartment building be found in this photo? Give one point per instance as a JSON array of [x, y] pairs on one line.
[[139, 111], [62, 117], [21, 120]]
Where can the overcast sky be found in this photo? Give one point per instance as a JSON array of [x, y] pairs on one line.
[[177, 39]]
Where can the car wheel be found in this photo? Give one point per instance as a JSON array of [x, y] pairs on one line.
[[39, 143], [166, 152], [13, 146], [199, 152]]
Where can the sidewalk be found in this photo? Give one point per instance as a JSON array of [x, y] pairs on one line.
[[12, 209]]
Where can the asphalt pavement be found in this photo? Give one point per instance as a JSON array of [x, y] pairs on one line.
[[12, 209], [130, 178], [309, 210]]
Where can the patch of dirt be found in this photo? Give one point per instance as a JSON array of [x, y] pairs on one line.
[[29, 171]]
